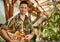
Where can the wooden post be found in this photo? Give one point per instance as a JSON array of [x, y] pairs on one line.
[[6, 10], [10, 8]]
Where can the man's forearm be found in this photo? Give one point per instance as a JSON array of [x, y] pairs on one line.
[[5, 35], [32, 33]]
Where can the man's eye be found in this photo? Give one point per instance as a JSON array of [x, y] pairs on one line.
[[21, 7], [25, 8]]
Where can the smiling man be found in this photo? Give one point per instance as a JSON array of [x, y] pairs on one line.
[[21, 23]]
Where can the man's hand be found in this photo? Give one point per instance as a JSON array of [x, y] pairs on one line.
[[15, 41], [28, 37]]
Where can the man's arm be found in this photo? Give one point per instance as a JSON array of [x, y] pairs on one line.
[[30, 36], [3, 32], [5, 35], [7, 38]]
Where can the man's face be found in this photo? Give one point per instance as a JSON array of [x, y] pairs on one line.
[[23, 8]]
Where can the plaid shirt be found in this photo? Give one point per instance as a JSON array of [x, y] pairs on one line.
[[16, 24]]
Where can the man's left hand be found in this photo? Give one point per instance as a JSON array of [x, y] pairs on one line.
[[28, 37]]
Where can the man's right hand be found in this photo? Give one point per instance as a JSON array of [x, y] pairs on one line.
[[15, 41]]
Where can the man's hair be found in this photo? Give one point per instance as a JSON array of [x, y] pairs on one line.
[[23, 2]]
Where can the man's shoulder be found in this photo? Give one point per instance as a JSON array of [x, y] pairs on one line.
[[13, 17]]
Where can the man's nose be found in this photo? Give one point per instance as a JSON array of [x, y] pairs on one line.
[[23, 9]]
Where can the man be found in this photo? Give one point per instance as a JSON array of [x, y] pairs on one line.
[[20, 23]]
